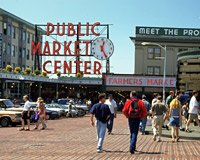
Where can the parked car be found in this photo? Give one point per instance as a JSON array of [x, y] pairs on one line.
[[82, 110], [8, 117], [74, 112], [61, 112]]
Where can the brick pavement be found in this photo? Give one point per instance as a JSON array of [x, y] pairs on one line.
[[73, 138]]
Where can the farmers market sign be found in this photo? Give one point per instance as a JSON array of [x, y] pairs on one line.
[[162, 31]]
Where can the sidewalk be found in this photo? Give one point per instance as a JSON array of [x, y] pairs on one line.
[[74, 138]]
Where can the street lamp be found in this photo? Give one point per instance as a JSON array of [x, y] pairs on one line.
[[165, 58]]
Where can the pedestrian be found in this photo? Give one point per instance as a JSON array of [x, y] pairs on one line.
[[185, 110], [102, 113], [144, 120], [69, 114], [175, 116], [134, 109], [41, 109], [158, 109], [89, 103], [155, 98], [26, 114], [193, 110], [113, 109], [167, 105]]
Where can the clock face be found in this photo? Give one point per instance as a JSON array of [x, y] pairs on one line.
[[102, 48]]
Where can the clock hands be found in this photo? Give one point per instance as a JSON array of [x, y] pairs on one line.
[[102, 50]]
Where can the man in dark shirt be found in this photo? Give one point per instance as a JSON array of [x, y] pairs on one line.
[[102, 113]]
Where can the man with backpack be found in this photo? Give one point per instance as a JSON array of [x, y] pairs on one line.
[[134, 109]]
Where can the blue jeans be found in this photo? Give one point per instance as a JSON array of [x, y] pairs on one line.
[[134, 127], [101, 130], [143, 124], [110, 123]]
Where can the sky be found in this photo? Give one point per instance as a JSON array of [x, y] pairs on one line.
[[125, 15]]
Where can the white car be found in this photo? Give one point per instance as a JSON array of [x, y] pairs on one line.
[[74, 112], [53, 107]]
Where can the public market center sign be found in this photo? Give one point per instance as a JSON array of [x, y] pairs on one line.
[[102, 48], [162, 31]]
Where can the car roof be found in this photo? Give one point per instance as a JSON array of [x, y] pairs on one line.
[[4, 99]]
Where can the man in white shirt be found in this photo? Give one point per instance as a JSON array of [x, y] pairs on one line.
[[193, 110], [113, 109], [26, 114]]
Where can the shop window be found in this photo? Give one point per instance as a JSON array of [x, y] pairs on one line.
[[13, 32], [27, 54], [13, 50]]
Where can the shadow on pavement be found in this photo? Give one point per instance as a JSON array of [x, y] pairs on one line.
[[140, 152]]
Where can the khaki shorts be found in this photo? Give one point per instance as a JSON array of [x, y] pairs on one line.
[[158, 120], [193, 116]]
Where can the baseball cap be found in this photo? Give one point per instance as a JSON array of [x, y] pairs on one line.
[[143, 96], [110, 95]]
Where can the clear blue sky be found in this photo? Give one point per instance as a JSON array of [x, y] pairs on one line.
[[125, 15]]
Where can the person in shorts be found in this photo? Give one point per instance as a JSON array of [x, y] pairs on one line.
[[41, 109], [26, 114], [158, 110], [175, 116], [193, 110]]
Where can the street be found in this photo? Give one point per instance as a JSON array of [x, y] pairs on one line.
[[74, 138]]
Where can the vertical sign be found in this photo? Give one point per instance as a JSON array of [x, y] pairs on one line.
[[1, 43]]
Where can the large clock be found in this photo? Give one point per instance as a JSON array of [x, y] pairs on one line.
[[102, 48]]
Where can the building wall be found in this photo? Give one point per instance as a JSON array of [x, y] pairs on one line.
[[19, 42], [142, 62]]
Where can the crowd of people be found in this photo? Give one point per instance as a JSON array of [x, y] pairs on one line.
[[137, 111]]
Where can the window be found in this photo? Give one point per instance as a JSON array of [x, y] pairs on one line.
[[150, 53], [13, 65], [8, 49], [20, 52], [13, 32], [182, 49], [33, 37], [157, 52], [154, 52], [27, 54], [5, 28], [28, 37], [23, 67], [13, 50], [23, 52], [153, 70], [24, 36], [157, 70], [9, 30]]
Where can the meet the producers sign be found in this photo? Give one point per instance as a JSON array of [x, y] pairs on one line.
[[161, 31]]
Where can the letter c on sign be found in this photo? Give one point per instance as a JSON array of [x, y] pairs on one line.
[[44, 65]]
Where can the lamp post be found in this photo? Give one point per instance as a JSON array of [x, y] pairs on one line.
[[165, 59]]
